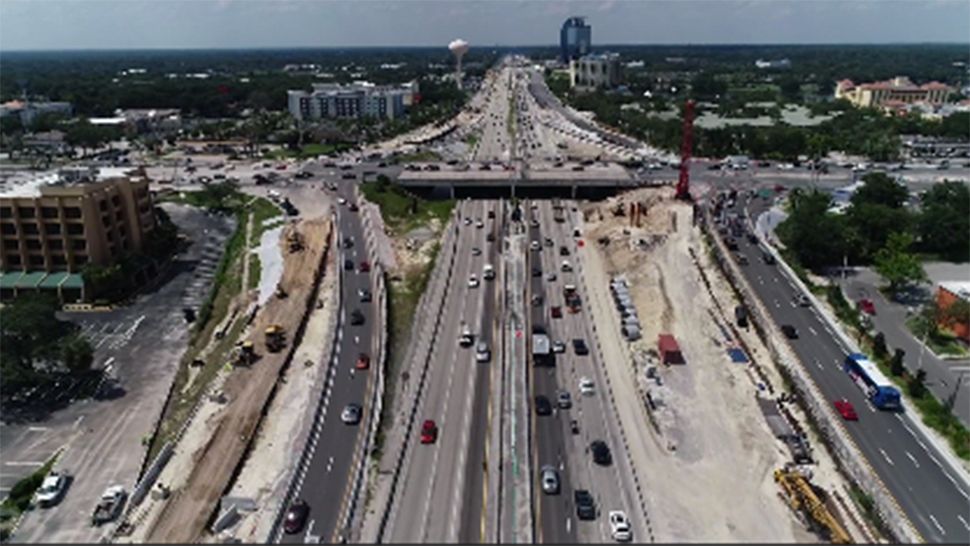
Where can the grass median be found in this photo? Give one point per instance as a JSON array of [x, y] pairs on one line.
[[21, 497]]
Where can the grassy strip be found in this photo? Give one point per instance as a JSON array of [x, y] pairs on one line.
[[401, 211], [934, 413], [21, 497], [940, 342], [255, 270], [308, 151], [415, 157]]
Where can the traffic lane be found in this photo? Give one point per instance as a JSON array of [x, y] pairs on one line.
[[925, 489], [472, 527], [410, 511]]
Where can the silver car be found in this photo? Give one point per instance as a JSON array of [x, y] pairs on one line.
[[351, 414], [550, 480]]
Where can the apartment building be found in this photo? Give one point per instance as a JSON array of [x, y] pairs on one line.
[[599, 71], [892, 94], [360, 99], [52, 226]]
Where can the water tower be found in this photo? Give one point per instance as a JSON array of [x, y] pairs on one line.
[[458, 48]]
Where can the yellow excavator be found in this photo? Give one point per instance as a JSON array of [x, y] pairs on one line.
[[275, 338], [802, 497]]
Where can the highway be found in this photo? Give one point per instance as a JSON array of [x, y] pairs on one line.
[[924, 486], [442, 497], [325, 486], [555, 444]]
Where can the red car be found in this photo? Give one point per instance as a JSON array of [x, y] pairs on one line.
[[556, 311], [867, 306], [364, 267], [429, 432], [296, 517], [846, 410], [363, 362], [281, 168]]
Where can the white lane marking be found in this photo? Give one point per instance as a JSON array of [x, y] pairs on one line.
[[329, 464], [77, 422], [819, 364], [937, 524], [964, 522], [24, 463], [911, 458], [812, 330], [37, 429], [777, 305], [888, 460], [775, 279], [569, 524]]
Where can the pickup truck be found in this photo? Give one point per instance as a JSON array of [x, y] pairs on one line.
[[109, 506]]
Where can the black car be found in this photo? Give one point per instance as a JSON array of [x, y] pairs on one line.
[[296, 517], [585, 507], [601, 453], [789, 331], [563, 251], [348, 241], [579, 346], [349, 264], [356, 318], [536, 272], [352, 207], [491, 214], [543, 406], [490, 237]]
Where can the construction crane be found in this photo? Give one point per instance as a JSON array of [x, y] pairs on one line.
[[802, 497], [686, 144]]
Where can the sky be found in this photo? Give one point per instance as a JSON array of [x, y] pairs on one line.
[[190, 24]]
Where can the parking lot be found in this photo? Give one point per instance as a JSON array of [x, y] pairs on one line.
[[139, 346]]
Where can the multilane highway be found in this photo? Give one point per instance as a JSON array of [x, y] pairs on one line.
[[927, 489]]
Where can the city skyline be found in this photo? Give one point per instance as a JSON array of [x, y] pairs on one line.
[[237, 24]]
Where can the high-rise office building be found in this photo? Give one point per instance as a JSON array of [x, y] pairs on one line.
[[575, 39]]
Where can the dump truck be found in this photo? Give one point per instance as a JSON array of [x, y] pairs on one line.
[[244, 353], [109, 505], [275, 338]]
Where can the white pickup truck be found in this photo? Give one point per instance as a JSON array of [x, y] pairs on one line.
[[110, 505]]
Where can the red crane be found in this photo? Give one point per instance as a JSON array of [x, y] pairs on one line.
[[683, 185]]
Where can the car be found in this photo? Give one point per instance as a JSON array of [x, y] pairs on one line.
[[551, 277], [543, 406], [548, 242], [491, 214], [846, 410], [536, 272], [801, 300], [341, 201], [534, 245], [473, 281], [558, 347], [296, 516], [351, 414], [867, 306], [789, 331], [353, 207], [579, 347], [550, 480], [356, 317], [363, 361], [349, 264], [585, 506], [768, 258], [466, 338], [51, 490], [364, 295], [348, 241], [364, 266], [564, 400], [476, 251], [490, 237], [482, 352], [467, 221], [429, 432], [574, 426], [479, 224], [563, 251], [619, 526], [534, 223], [601, 453], [537, 300], [556, 311], [586, 386]]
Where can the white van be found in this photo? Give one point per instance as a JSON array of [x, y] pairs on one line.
[[488, 272], [566, 266]]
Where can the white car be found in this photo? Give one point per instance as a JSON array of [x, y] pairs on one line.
[[534, 245], [586, 386], [620, 526], [473, 281], [351, 414], [482, 352], [341, 201], [468, 221], [479, 224], [558, 347], [51, 490], [476, 251]]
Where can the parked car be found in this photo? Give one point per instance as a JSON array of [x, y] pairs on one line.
[[296, 516], [846, 410]]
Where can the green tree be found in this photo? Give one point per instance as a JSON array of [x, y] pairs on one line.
[[880, 189], [876, 212], [879, 349], [815, 235], [218, 196], [76, 353], [897, 264], [944, 220], [896, 364], [917, 384]]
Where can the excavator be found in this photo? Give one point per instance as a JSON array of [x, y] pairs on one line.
[[275, 338], [802, 497]]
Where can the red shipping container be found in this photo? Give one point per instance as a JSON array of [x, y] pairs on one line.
[[669, 350]]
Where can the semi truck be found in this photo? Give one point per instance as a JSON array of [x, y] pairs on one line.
[[541, 349]]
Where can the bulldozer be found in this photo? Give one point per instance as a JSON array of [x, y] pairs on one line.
[[275, 340], [244, 353], [802, 497]]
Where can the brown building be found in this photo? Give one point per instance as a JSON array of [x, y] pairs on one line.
[[892, 93], [948, 294], [53, 226]]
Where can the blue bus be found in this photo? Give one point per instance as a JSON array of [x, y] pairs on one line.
[[877, 387]]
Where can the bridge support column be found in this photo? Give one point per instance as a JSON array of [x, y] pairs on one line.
[[573, 191], [451, 191]]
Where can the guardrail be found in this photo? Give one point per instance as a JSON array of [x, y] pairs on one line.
[[296, 478], [421, 345], [844, 449]]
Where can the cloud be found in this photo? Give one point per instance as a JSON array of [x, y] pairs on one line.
[[606, 5]]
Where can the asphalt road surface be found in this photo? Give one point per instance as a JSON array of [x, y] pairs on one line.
[[925, 487], [326, 485]]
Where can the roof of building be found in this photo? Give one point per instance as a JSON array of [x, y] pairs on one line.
[[667, 343], [31, 184], [960, 289]]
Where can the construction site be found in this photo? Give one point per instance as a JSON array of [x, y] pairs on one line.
[[712, 397], [210, 451]]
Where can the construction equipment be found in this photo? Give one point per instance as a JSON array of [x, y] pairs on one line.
[[686, 145], [280, 292], [294, 241], [244, 353], [802, 497], [275, 338]]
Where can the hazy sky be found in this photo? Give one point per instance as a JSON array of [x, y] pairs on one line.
[[123, 24]]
